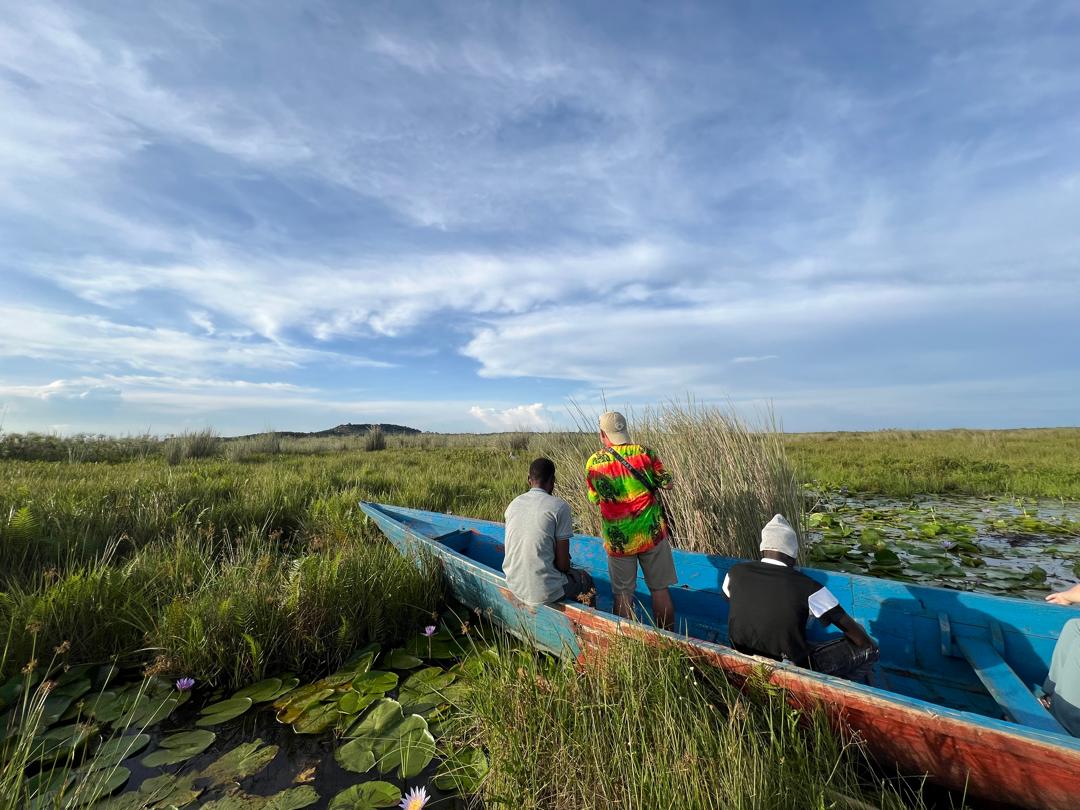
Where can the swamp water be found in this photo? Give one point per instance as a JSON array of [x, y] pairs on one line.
[[359, 738], [1005, 546]]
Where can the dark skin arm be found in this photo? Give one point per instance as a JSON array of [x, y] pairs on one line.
[[851, 629], [562, 555]]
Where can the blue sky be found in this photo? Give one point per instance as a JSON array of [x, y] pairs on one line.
[[461, 216]]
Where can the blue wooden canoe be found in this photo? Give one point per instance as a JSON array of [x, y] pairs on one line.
[[952, 695]]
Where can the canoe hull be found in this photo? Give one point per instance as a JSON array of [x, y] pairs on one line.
[[982, 757]]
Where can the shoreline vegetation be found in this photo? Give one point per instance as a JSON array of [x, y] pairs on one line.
[[232, 561], [1019, 462]]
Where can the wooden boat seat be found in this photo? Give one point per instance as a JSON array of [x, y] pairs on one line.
[[1005, 686]]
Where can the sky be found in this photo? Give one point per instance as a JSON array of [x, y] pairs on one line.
[[464, 216]]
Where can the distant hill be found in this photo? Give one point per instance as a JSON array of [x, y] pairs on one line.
[[348, 429]]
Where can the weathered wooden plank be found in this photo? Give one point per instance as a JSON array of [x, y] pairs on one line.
[[1015, 699]]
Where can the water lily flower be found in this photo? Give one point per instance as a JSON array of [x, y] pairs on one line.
[[415, 799], [429, 631], [184, 684]]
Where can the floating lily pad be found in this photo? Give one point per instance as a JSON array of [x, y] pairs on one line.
[[288, 799], [295, 710], [464, 771], [262, 691], [179, 748], [155, 708], [164, 791], [245, 760], [409, 750], [422, 691], [366, 796], [353, 703], [61, 742], [375, 682], [384, 715], [316, 719], [356, 756], [95, 785], [113, 752], [223, 711], [400, 659], [362, 659]]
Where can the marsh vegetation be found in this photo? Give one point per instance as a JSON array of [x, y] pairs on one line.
[[243, 565]]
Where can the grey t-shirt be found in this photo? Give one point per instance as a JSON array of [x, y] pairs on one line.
[[534, 521]]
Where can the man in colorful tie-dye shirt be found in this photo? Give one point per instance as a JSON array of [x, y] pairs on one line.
[[635, 528]]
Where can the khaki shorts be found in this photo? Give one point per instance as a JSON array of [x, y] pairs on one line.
[[657, 564]]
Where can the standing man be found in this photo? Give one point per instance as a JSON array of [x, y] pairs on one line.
[[625, 479], [771, 602], [537, 558]]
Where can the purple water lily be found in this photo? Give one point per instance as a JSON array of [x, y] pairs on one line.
[[184, 684], [429, 631], [415, 799]]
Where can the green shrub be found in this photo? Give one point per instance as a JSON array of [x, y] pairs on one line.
[[374, 439]]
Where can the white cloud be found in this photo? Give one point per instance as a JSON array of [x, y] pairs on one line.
[[43, 334], [754, 358], [519, 417]]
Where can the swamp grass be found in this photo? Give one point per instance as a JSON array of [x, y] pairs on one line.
[[1030, 463], [641, 727]]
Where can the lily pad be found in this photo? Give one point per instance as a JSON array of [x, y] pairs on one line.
[[375, 682], [164, 791], [316, 719], [300, 703], [353, 702], [223, 711], [356, 756], [423, 690], [409, 750], [262, 691], [288, 799], [366, 796], [384, 715], [400, 659], [464, 771], [113, 752], [180, 747], [156, 707], [95, 785], [245, 760], [362, 659]]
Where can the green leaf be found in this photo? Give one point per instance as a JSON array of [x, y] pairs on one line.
[[384, 715], [262, 691], [399, 659], [223, 711], [113, 752], [291, 712], [316, 719], [375, 682], [179, 748], [366, 796], [409, 750], [464, 771], [156, 708], [354, 703], [356, 756], [98, 784], [245, 760], [165, 792], [288, 799], [362, 659], [422, 691]]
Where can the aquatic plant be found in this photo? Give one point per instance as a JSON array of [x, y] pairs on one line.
[[184, 684], [415, 799]]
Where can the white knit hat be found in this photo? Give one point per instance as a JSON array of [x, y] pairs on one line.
[[777, 535]]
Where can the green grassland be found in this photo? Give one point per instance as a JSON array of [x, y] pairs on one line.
[[1037, 463], [230, 562]]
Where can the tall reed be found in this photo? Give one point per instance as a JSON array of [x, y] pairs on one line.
[[731, 475]]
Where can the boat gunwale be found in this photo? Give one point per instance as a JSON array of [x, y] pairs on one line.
[[730, 659]]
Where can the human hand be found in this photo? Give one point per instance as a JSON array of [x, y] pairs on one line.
[[1068, 597]]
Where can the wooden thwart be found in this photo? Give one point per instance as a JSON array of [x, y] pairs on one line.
[[1005, 686]]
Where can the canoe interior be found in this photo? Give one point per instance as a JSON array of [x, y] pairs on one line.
[[921, 652]]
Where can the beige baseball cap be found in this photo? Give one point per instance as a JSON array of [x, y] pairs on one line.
[[613, 424]]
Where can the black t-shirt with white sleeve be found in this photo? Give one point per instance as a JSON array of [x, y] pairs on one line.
[[770, 605]]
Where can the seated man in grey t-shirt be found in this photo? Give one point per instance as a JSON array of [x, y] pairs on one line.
[[537, 558]]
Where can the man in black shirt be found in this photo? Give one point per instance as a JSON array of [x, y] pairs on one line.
[[771, 602]]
